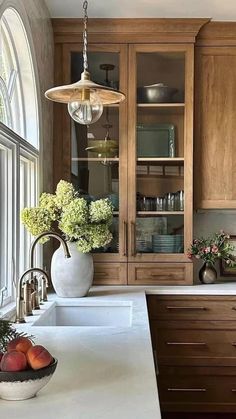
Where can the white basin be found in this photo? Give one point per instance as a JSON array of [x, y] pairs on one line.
[[87, 314]]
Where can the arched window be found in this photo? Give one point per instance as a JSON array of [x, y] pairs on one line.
[[19, 148], [18, 98]]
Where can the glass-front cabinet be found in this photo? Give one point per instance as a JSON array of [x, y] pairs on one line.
[[139, 155], [160, 143]]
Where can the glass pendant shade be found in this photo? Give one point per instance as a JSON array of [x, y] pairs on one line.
[[87, 110], [85, 98]]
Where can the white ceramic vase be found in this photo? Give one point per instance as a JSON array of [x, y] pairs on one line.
[[71, 277]]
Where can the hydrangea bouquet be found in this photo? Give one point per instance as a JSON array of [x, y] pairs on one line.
[[212, 248], [80, 221]]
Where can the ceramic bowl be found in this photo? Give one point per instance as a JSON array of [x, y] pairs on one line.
[[156, 93], [22, 385]]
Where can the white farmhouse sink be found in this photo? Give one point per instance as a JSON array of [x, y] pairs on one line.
[[87, 314]]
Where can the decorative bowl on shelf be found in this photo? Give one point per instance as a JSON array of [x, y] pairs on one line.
[[22, 385], [103, 148], [156, 93]]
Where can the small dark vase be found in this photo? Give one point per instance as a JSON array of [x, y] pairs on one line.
[[207, 273]]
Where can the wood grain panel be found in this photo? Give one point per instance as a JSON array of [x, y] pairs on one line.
[[110, 273], [197, 308], [160, 273], [215, 127], [194, 347]]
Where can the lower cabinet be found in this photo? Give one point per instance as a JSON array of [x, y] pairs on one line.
[[194, 344]]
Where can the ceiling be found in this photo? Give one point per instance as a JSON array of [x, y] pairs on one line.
[[215, 9]]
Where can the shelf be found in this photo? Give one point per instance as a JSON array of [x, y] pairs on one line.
[[160, 105], [95, 159], [161, 161], [148, 213]]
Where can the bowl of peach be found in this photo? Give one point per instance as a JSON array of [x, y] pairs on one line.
[[24, 369]]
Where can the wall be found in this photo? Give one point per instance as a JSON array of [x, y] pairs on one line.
[[36, 19]]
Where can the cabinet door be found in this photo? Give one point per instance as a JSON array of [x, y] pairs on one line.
[[160, 119], [94, 156], [215, 127]]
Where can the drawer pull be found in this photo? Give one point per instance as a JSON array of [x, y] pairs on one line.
[[186, 308], [101, 274], [233, 390], [198, 390], [234, 344], [187, 343]]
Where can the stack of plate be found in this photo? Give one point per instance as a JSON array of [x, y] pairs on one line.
[[143, 245], [167, 243]]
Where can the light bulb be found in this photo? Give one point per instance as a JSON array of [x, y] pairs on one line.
[[87, 110]]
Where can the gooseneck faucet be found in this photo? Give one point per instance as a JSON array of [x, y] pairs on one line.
[[32, 247], [20, 300]]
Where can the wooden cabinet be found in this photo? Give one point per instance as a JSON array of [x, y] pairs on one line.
[[194, 339], [215, 122], [148, 173]]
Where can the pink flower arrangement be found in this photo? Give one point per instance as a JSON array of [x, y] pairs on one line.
[[213, 248]]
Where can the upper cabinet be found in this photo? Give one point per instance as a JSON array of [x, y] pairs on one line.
[[139, 154], [160, 131], [215, 121]]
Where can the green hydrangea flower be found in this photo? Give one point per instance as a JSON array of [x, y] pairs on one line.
[[48, 202], [80, 221], [36, 220], [100, 210], [73, 217], [65, 193]]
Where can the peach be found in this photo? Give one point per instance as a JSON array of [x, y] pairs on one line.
[[38, 357], [13, 361], [20, 344]]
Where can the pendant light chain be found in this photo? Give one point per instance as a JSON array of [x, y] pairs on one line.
[[85, 36]]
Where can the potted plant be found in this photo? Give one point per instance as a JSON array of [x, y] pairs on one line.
[[211, 249], [84, 224]]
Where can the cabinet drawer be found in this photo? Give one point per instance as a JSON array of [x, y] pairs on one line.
[[195, 347], [191, 391], [160, 273], [110, 273], [192, 308]]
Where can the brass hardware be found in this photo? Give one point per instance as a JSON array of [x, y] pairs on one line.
[[101, 274], [44, 286], [133, 239], [185, 308], [20, 300], [36, 297], [187, 343], [187, 389], [125, 236]]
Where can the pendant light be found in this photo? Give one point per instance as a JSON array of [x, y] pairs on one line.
[[85, 98]]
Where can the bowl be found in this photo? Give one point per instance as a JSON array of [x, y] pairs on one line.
[[103, 146], [156, 93], [22, 385]]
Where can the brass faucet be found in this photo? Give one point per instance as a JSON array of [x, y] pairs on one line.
[[20, 302], [32, 247]]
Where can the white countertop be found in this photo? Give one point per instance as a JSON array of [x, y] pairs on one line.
[[102, 372]]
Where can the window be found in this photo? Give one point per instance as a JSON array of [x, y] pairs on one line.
[[19, 148]]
